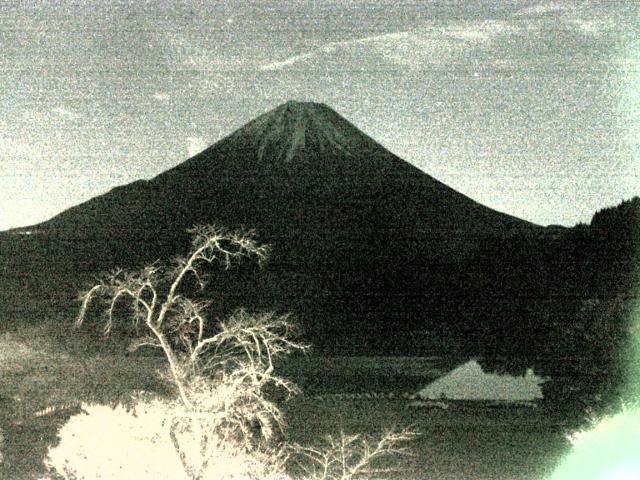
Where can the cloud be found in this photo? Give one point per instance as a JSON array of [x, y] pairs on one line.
[[387, 37], [66, 113], [161, 96], [544, 8], [444, 46], [12, 150], [201, 55], [331, 48], [196, 145], [592, 27], [435, 45], [452, 43], [289, 61], [577, 18], [480, 32]]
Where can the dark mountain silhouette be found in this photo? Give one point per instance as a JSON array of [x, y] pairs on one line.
[[360, 237], [372, 254], [309, 182]]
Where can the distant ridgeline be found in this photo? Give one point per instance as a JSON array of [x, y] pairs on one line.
[[374, 256]]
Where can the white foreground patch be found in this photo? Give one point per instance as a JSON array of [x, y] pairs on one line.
[[470, 382], [608, 450]]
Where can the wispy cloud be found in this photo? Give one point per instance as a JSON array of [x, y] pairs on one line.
[[479, 32], [575, 17], [331, 48], [290, 61], [387, 37], [13, 150], [443, 44], [199, 54], [544, 8], [161, 96], [590, 26], [440, 46], [66, 113], [435, 45]]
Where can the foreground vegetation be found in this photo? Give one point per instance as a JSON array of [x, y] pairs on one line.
[[195, 395], [486, 444], [221, 415]]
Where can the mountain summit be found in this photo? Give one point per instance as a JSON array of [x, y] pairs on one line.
[[295, 127], [296, 136]]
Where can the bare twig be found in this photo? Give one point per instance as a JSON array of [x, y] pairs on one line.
[[349, 457]]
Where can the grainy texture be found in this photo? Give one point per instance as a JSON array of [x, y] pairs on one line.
[[529, 107], [403, 158]]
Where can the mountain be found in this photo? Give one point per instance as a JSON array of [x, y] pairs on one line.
[[361, 238], [374, 256], [304, 178]]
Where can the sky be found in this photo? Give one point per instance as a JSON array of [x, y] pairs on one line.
[[531, 108]]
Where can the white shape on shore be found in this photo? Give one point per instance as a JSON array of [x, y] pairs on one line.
[[470, 382]]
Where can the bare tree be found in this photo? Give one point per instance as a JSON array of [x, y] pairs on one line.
[[220, 377], [349, 457], [221, 374]]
